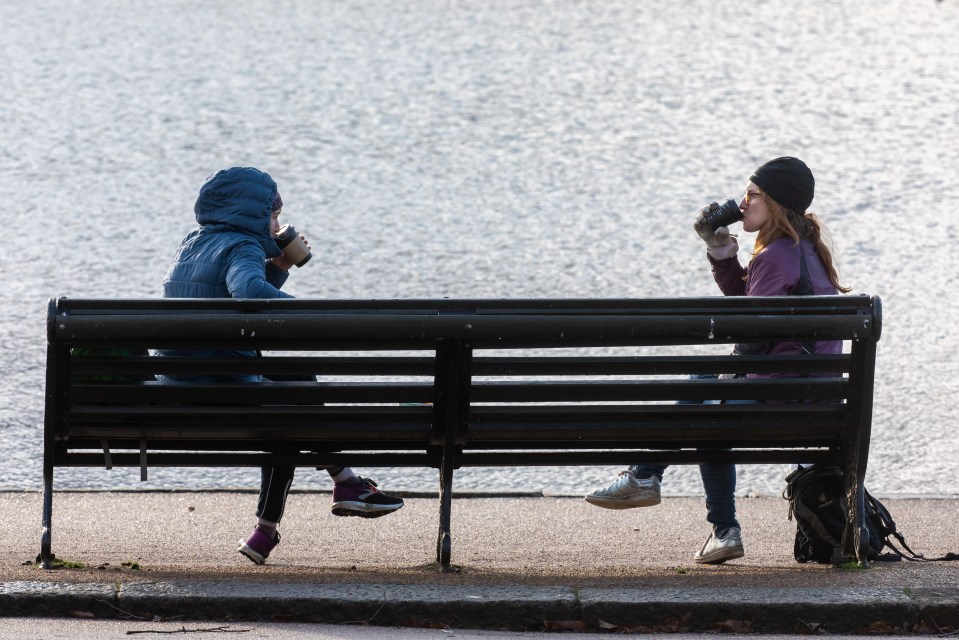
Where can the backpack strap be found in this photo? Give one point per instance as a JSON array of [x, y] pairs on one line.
[[912, 556], [886, 527], [804, 288]]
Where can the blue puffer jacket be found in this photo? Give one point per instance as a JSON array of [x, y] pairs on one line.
[[227, 256]]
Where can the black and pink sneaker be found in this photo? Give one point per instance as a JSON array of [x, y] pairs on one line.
[[258, 545], [363, 499]]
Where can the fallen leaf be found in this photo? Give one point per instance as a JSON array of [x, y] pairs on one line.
[[732, 626], [810, 628], [880, 627], [80, 614]]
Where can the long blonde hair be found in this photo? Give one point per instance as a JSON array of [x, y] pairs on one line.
[[786, 223]]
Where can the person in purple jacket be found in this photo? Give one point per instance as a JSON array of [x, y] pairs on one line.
[[791, 257]]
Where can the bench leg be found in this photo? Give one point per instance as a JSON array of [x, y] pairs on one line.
[[46, 539], [450, 421], [444, 542], [855, 538]]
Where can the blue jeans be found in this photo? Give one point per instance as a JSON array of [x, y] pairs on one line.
[[719, 483]]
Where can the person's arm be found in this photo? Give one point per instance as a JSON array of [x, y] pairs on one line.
[[247, 276], [275, 275], [721, 249], [728, 274]]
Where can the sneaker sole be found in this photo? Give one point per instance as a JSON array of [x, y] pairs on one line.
[[253, 556], [363, 510], [622, 503], [720, 556]]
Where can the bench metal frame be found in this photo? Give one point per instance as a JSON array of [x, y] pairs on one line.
[[481, 387]]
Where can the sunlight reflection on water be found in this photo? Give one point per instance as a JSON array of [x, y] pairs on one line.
[[477, 149]]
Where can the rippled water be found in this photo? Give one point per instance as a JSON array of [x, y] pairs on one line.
[[475, 149]]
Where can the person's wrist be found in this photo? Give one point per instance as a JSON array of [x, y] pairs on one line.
[[725, 251], [280, 263]]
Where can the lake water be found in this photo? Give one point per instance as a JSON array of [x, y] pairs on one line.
[[484, 148]]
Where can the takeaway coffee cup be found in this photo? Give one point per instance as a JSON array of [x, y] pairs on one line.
[[724, 215], [293, 246]]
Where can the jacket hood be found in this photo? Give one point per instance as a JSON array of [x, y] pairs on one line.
[[239, 199]]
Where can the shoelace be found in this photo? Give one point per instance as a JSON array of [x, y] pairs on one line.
[[371, 483], [615, 482]]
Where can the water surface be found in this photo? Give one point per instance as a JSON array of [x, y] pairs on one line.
[[485, 149]]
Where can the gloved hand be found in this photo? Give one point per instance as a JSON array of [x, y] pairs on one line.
[[720, 243], [713, 239]]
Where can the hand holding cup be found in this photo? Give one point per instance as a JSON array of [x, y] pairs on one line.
[[295, 248], [711, 223]]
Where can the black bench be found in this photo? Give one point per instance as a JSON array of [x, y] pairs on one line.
[[453, 383]]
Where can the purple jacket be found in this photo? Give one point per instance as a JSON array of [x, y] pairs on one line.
[[776, 272]]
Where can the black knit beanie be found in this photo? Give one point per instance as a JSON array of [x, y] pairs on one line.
[[788, 181], [277, 203]]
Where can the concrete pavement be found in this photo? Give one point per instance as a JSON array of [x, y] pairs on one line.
[[521, 562]]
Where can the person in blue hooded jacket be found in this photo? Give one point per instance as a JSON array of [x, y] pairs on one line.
[[233, 254]]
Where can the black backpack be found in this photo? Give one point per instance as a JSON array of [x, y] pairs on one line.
[[818, 504]]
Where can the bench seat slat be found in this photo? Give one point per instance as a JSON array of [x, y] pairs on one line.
[[660, 390], [228, 416], [482, 366], [272, 393], [489, 414], [277, 365], [656, 437], [815, 424], [207, 436], [243, 458], [657, 365], [511, 391], [624, 456]]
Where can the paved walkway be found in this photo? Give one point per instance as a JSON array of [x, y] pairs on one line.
[[521, 562]]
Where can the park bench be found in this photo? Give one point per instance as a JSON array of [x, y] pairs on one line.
[[447, 384]]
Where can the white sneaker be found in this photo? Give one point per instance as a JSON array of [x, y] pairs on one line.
[[718, 550], [627, 491]]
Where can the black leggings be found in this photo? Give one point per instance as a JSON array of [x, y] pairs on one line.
[[275, 483]]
